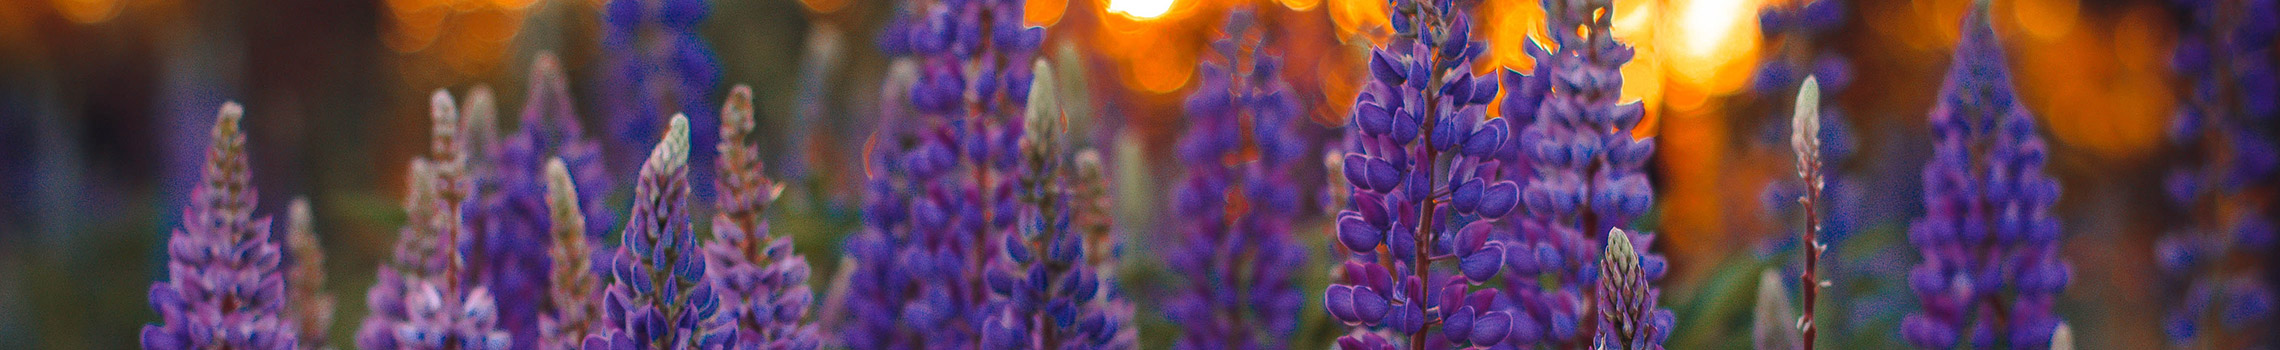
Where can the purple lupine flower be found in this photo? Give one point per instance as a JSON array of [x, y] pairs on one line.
[[414, 257], [1426, 188], [422, 300], [1991, 268], [941, 190], [763, 284], [571, 284], [656, 62], [658, 297], [2214, 263], [1585, 175], [1044, 291], [223, 289], [511, 253], [1239, 293], [1105, 244], [310, 308], [1628, 317]]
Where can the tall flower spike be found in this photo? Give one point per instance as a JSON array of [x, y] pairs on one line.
[[1584, 171], [1104, 245], [510, 250], [573, 303], [1234, 240], [310, 306], [941, 190], [1427, 188], [658, 297], [1628, 317], [1044, 293], [1991, 269], [1805, 139], [2218, 274], [763, 284], [223, 289], [440, 310], [415, 257]]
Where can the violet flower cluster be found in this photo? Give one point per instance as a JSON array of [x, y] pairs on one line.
[[656, 62], [1585, 174], [224, 288], [422, 300], [511, 253], [2215, 263], [1991, 269], [658, 296], [941, 195], [763, 284], [1044, 293], [1426, 189], [1234, 239]]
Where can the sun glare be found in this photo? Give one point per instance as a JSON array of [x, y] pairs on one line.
[[1143, 9]]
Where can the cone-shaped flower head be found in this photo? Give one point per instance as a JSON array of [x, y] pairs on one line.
[[573, 303], [1991, 268], [658, 297], [1628, 317], [223, 289], [762, 283], [310, 306]]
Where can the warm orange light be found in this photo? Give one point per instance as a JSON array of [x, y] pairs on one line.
[[1709, 25], [1143, 9], [88, 11], [1035, 12]]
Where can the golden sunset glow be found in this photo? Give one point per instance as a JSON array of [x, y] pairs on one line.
[[1145, 9]]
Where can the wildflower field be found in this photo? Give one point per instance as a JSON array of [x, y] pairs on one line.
[[1139, 174]]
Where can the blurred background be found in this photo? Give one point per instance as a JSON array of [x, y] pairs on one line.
[[105, 107]]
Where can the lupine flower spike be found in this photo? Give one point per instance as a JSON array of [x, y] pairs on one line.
[[1427, 190], [1628, 317], [510, 255], [1991, 270], [223, 289], [1805, 139], [573, 306], [443, 311], [1585, 174], [310, 307], [2216, 261], [658, 297], [1104, 245], [1234, 238], [941, 190], [1045, 294], [763, 284]]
